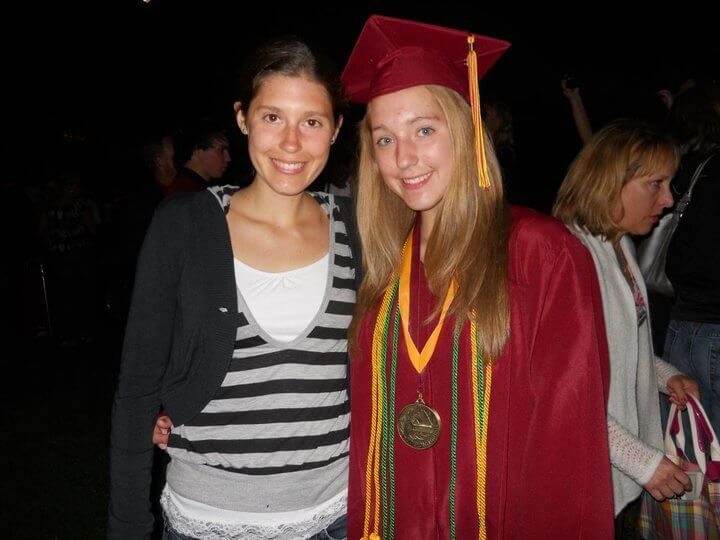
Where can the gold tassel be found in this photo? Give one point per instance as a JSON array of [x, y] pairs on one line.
[[483, 176]]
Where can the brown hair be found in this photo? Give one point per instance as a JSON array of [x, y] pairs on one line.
[[292, 58], [469, 238], [615, 155]]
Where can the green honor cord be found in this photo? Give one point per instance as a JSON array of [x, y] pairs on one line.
[[387, 468], [387, 461], [453, 432]]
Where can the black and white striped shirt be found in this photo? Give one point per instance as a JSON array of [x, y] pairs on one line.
[[283, 406]]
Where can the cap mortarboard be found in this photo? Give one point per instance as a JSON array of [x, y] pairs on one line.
[[394, 54]]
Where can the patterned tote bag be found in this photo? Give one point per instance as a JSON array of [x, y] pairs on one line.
[[695, 515]]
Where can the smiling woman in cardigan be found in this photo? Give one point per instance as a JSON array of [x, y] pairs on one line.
[[238, 328]]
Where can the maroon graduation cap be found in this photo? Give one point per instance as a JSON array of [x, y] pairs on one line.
[[394, 54]]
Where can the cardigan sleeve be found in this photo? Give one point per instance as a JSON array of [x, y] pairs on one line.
[[664, 372], [146, 350], [630, 455]]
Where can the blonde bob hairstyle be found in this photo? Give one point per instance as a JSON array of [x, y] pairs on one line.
[[621, 151], [469, 241]]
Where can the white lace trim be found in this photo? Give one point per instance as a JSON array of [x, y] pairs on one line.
[[630, 455], [209, 530]]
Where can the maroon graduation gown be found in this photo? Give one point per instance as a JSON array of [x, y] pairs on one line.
[[548, 462]]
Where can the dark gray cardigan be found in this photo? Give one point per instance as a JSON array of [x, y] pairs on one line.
[[178, 341]]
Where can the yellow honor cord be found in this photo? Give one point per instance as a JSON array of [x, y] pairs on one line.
[[480, 434], [419, 359], [372, 471], [482, 466], [483, 176], [479, 491]]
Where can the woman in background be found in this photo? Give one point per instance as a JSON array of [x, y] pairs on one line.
[[616, 187], [692, 343]]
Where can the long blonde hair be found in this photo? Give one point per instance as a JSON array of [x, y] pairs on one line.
[[469, 241], [619, 152]]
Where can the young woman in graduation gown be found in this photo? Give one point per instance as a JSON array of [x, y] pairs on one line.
[[480, 372]]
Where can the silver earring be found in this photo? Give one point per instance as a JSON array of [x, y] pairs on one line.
[[332, 141], [243, 130]]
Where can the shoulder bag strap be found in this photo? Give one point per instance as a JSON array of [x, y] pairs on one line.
[[685, 200]]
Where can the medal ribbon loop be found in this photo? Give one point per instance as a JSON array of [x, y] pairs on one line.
[[419, 359]]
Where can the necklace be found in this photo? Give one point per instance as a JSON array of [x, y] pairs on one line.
[[418, 423]]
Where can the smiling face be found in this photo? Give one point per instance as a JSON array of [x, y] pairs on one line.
[[642, 201], [412, 147], [290, 126]]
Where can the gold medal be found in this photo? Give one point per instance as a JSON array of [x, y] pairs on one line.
[[419, 425]]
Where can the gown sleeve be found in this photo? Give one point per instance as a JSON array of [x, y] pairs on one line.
[[566, 452]]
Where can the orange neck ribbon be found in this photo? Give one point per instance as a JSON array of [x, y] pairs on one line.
[[419, 359]]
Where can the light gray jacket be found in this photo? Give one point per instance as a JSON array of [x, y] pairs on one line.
[[636, 374]]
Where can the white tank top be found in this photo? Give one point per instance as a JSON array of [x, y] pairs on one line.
[[283, 303]]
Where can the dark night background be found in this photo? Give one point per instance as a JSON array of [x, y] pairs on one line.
[[111, 72], [84, 84]]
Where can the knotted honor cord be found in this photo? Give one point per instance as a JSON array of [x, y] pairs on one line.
[[372, 473], [380, 470]]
